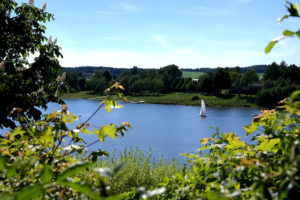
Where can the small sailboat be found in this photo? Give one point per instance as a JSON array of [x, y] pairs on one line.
[[202, 109]]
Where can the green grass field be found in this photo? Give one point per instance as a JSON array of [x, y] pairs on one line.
[[186, 74], [261, 76]]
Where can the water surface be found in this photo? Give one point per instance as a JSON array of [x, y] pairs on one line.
[[167, 130]]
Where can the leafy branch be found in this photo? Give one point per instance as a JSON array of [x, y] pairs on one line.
[[293, 9]]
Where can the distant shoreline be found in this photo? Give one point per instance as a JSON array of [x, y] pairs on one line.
[[178, 99]]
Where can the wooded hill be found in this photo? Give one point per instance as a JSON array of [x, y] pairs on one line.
[[89, 70]]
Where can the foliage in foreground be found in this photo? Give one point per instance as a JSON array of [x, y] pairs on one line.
[[26, 84], [37, 158], [139, 170], [268, 168]]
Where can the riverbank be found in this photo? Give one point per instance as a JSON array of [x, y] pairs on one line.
[[179, 99]]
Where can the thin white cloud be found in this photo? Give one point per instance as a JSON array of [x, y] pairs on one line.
[[161, 40], [208, 11], [129, 7]]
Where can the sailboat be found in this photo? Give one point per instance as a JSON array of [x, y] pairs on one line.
[[202, 109]]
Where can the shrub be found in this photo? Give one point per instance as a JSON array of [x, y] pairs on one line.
[[194, 98]]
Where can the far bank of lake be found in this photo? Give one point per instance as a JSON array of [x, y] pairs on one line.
[[179, 98]]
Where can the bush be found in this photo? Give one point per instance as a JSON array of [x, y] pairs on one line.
[[194, 98], [139, 170]]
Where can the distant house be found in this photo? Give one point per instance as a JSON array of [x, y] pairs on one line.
[[195, 79], [88, 75]]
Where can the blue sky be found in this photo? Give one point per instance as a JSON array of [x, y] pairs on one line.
[[155, 33]]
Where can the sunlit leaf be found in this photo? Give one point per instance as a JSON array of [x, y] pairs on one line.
[[296, 8], [204, 140], [47, 138], [107, 130], [270, 46], [268, 144], [251, 128]]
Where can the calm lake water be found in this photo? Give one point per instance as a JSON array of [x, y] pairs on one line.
[[168, 130]]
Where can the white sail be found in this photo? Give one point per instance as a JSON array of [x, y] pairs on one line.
[[202, 109]]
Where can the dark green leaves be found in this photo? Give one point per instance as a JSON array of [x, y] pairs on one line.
[[30, 192], [94, 155], [288, 33], [46, 174], [83, 188]]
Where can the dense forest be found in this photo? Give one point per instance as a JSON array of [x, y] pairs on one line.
[[278, 81]]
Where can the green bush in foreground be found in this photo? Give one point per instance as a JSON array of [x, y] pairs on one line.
[[268, 168], [37, 163], [139, 170]]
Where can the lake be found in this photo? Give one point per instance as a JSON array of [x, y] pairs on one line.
[[168, 130]]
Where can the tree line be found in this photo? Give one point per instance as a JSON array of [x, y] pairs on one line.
[[278, 81]]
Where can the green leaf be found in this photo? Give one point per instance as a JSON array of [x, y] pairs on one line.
[[11, 172], [296, 8], [282, 18], [270, 46], [268, 144], [110, 130], [71, 171], [83, 188], [30, 192], [2, 163], [298, 34], [46, 174], [251, 128], [47, 138], [288, 33]]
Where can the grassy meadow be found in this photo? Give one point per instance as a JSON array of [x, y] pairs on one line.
[[187, 74]]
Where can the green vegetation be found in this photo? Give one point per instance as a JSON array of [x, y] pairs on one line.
[[138, 170], [82, 95], [45, 159], [26, 85], [179, 98], [189, 74], [229, 168]]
